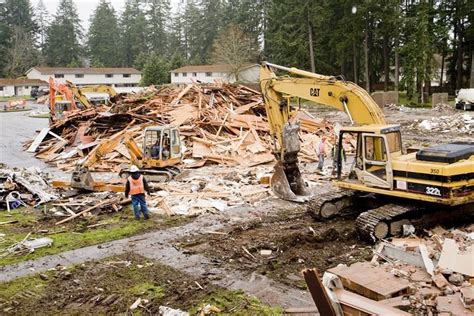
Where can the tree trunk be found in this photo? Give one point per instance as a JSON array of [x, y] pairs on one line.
[[459, 64], [397, 70], [386, 63], [443, 56], [471, 84], [310, 43], [354, 59], [366, 52]]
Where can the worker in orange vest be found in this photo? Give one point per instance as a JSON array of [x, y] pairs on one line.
[[136, 186]]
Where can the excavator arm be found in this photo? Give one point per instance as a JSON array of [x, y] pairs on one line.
[[79, 92], [279, 91], [57, 87]]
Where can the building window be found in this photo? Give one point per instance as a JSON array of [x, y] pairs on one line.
[[27, 87], [58, 76], [1, 88], [110, 75], [176, 74], [79, 75], [195, 74], [185, 74], [126, 75], [208, 74]]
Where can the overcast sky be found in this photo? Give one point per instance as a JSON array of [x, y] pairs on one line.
[[85, 8]]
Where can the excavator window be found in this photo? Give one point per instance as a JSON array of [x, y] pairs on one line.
[[394, 141], [375, 148]]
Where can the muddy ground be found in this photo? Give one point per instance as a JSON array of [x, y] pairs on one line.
[[112, 285], [295, 240]]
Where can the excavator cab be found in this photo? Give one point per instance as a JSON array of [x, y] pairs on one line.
[[161, 143], [60, 107], [376, 145]]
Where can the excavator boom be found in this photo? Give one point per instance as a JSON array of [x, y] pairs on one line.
[[278, 92]]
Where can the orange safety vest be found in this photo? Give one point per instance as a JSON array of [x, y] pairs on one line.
[[136, 186]]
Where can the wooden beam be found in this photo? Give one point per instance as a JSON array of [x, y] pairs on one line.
[[318, 293]]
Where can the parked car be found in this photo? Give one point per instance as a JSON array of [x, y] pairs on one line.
[[465, 99], [36, 92]]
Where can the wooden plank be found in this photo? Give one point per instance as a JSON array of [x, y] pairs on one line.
[[429, 266], [181, 94], [38, 140], [56, 136], [318, 293], [109, 201]]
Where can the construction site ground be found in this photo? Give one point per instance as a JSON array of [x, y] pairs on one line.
[[189, 262]]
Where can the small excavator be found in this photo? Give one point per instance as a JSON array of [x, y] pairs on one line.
[[68, 98], [387, 187], [157, 160]]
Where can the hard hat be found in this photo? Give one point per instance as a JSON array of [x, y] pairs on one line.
[[134, 168]]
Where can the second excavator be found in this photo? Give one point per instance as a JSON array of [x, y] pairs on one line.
[[387, 186]]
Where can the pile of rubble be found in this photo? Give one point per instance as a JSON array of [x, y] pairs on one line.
[[460, 122], [443, 108], [21, 187], [224, 124], [434, 275]]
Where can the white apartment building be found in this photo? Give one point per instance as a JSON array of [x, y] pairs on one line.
[[115, 77], [210, 73], [20, 87]]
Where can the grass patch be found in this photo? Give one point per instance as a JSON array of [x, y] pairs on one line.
[[403, 99], [75, 235], [148, 290], [69, 292], [236, 303], [30, 283]]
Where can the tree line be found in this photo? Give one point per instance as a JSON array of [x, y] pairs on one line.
[[402, 44]]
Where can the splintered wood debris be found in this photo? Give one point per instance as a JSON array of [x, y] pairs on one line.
[[220, 123], [431, 275]]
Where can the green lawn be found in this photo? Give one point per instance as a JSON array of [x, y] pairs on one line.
[[75, 235]]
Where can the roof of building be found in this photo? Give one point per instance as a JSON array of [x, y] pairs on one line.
[[22, 82], [70, 70], [210, 68]]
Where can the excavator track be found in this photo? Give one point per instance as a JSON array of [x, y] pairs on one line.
[[331, 204], [376, 224]]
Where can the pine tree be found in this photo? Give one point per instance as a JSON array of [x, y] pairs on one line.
[[62, 46], [211, 24], [156, 71], [42, 20], [17, 27], [192, 33], [157, 14], [103, 41], [133, 26]]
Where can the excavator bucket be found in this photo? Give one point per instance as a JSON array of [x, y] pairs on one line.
[[288, 184]]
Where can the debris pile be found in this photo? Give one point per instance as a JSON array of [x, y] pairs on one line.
[[221, 123], [460, 122], [85, 205], [443, 108], [427, 276], [26, 186]]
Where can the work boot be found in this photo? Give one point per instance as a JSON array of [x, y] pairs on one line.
[[146, 216], [137, 218]]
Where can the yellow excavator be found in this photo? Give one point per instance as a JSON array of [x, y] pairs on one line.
[[387, 186], [157, 160], [89, 102]]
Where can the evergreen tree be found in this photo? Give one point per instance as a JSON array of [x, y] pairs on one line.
[[156, 71], [103, 41], [211, 24], [158, 13], [62, 46], [42, 20], [134, 35], [17, 34], [192, 33]]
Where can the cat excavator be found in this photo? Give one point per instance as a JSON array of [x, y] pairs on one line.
[[387, 187]]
